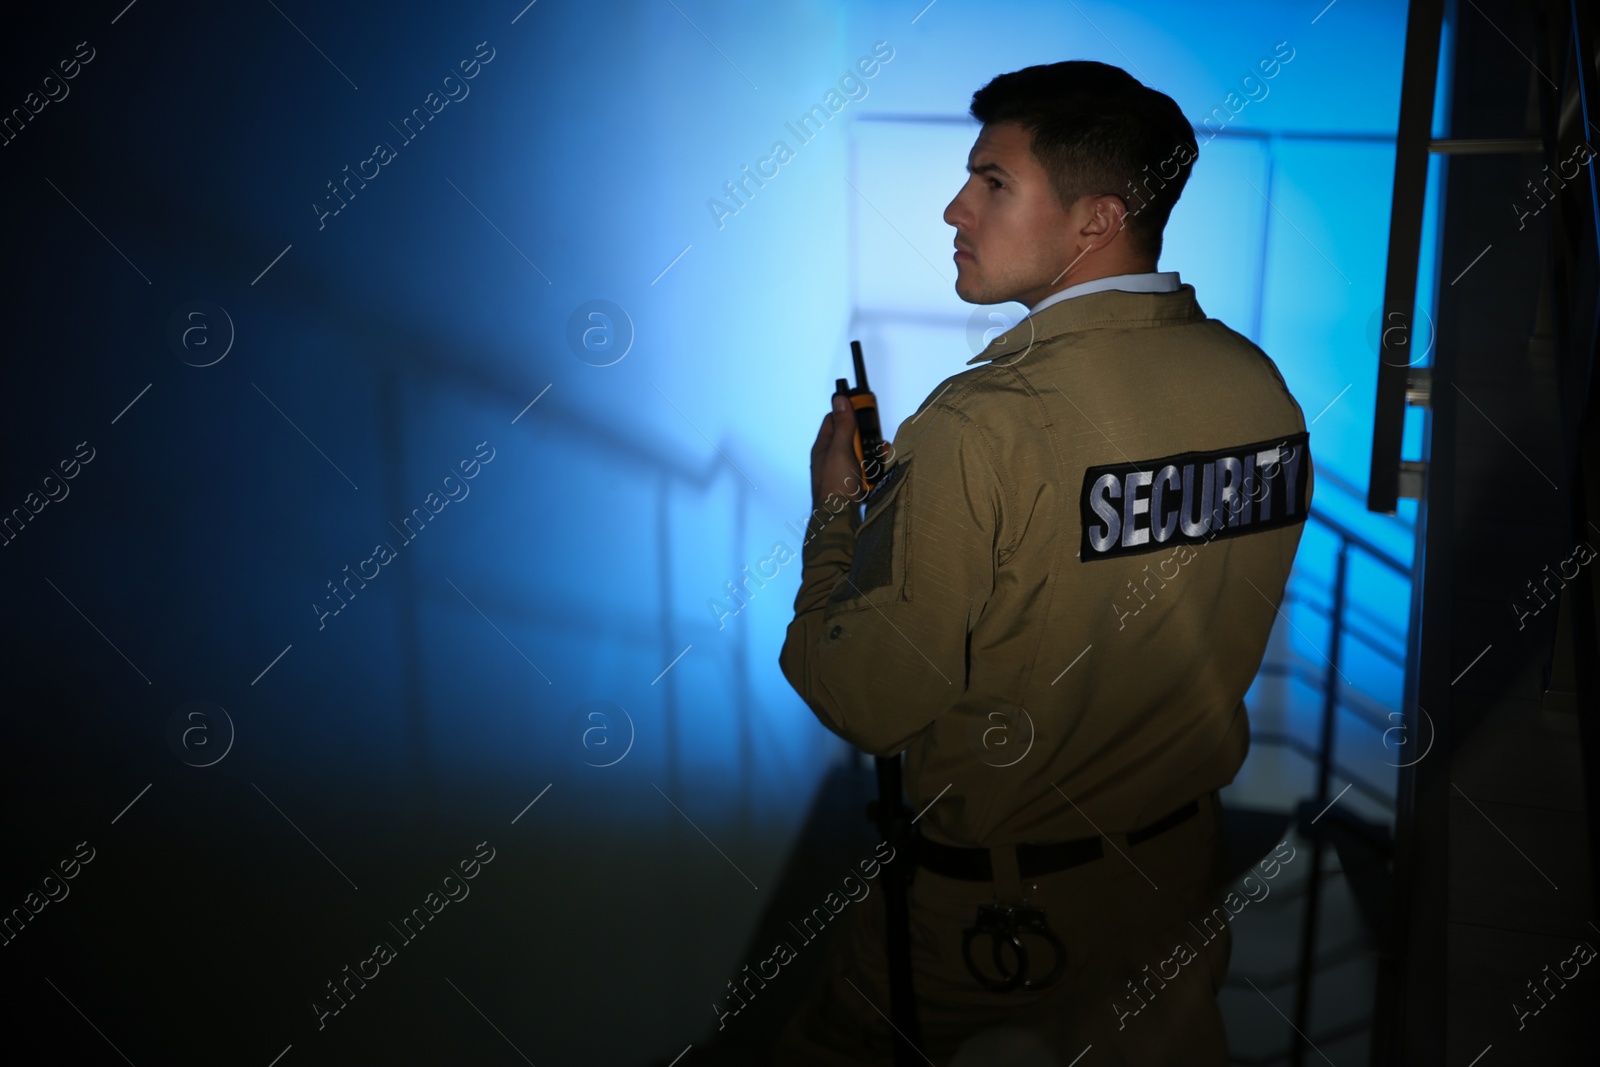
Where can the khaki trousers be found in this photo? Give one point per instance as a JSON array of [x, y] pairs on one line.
[[1147, 947]]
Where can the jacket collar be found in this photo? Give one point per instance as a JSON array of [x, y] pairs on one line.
[[1109, 307]]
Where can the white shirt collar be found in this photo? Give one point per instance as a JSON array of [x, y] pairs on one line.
[[1154, 282]]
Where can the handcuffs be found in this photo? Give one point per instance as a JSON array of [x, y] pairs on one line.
[[1003, 924]]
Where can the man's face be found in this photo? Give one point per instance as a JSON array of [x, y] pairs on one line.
[[1014, 239]]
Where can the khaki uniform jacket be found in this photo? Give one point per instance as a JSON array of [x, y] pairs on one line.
[[1063, 586]]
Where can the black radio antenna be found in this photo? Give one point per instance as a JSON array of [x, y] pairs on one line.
[[861, 366]]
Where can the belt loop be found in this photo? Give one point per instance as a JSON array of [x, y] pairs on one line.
[[1007, 878]]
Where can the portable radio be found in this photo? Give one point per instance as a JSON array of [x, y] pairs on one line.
[[869, 433]]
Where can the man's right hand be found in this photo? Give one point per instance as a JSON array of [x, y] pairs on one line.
[[835, 471]]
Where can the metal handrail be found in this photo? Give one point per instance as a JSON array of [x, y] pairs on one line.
[[1345, 533], [1371, 640], [1333, 701], [1301, 669]]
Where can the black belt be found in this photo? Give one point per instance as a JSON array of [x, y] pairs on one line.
[[1033, 860]]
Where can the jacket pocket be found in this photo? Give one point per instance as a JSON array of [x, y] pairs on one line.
[[877, 568]]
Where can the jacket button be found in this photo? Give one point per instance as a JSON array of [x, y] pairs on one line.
[[833, 634]]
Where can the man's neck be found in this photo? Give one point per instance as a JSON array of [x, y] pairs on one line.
[[1071, 278]]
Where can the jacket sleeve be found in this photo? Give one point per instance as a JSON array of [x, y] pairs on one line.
[[878, 645]]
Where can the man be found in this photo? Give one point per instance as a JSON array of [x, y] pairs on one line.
[[1055, 602]]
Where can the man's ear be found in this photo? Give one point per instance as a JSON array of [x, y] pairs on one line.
[[1107, 216]]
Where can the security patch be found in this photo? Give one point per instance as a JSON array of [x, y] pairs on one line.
[[1193, 497]]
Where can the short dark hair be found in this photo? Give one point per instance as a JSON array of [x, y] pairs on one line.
[[1096, 130]]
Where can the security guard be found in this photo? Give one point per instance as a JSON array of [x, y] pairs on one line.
[[1054, 604]]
